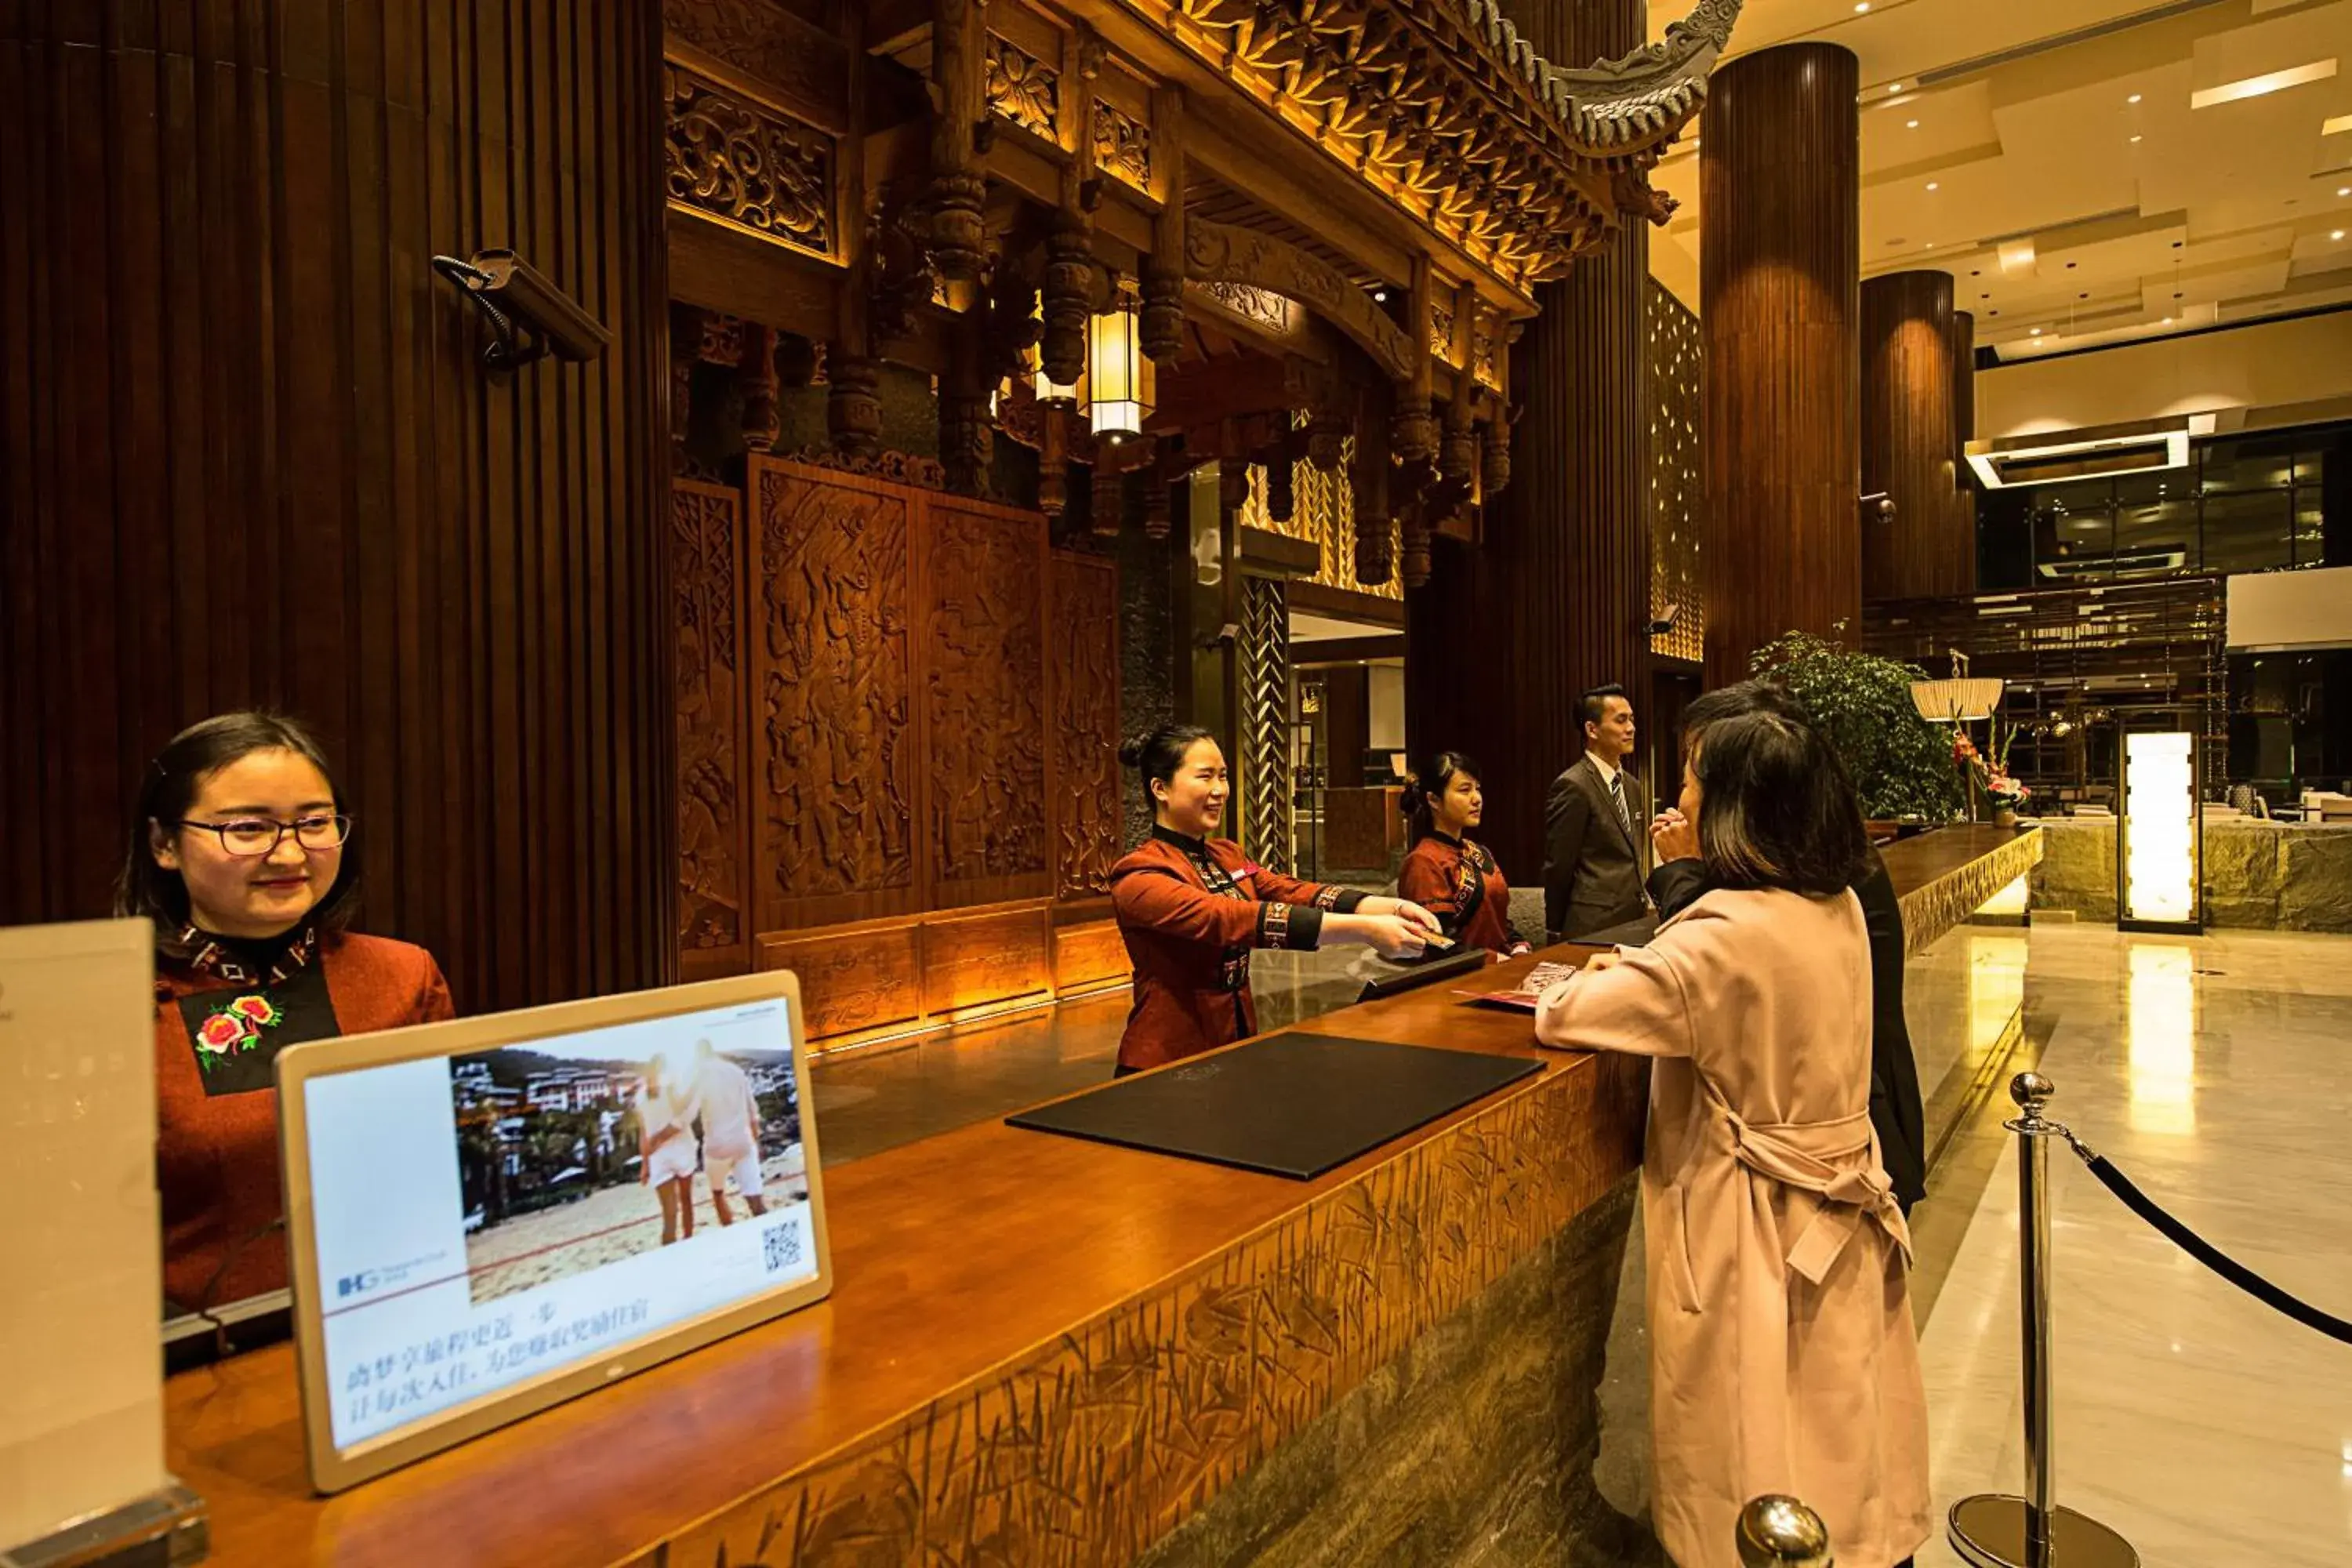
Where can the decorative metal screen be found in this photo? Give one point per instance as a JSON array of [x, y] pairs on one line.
[[1266, 722]]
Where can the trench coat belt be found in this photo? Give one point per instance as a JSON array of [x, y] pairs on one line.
[[1837, 1162]]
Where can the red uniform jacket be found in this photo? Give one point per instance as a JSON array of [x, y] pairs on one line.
[[1190, 910], [217, 1110], [1458, 881]]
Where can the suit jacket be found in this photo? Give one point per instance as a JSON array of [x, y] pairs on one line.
[[1190, 911], [1894, 1109], [1592, 867]]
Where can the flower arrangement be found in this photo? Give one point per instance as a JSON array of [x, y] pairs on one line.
[[2005, 790]]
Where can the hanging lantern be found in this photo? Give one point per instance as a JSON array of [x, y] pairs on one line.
[[1121, 384], [1052, 394]]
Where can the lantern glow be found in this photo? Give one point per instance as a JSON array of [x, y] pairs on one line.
[[1120, 382]]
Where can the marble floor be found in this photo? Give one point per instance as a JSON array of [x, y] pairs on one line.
[[2215, 1072]]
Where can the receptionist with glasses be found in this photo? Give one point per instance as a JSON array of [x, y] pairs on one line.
[[241, 852]]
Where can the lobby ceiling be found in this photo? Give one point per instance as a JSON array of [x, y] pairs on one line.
[[2088, 171]]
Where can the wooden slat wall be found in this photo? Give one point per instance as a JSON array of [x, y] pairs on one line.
[[1964, 430], [1780, 173], [1909, 442], [249, 457], [1557, 598]]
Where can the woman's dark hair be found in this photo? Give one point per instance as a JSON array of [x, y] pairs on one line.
[[1157, 756], [1777, 807], [170, 788], [1431, 779]]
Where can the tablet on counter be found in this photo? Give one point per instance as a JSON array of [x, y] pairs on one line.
[[488, 1216]]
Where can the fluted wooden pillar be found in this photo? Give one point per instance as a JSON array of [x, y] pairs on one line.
[[1779, 189], [1910, 440], [1964, 430], [249, 456], [1556, 600]]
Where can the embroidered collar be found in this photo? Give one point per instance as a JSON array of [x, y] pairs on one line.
[[1196, 847], [1448, 839], [205, 953]]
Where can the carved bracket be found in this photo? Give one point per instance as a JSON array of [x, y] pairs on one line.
[[1216, 253]]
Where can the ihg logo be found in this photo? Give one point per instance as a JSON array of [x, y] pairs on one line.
[[355, 1284]]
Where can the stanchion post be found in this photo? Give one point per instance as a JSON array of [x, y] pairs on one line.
[[1990, 1531]]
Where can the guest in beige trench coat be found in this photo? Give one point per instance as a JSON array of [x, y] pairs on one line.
[[1782, 1353]]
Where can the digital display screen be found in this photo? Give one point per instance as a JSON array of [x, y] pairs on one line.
[[484, 1219]]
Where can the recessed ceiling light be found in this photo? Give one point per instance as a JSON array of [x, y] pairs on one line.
[[1932, 186], [1910, 125], [1894, 87], [2135, 141], [2338, 234], [2269, 81], [1929, 246], [1860, 6], [2343, 190], [2133, 98], [2168, 321], [2037, 331]]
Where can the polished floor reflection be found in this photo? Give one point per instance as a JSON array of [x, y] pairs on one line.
[[2217, 1073]]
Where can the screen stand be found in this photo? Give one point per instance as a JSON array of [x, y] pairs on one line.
[[168, 1529]]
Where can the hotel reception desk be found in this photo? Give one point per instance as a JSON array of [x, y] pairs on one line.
[[1040, 1351]]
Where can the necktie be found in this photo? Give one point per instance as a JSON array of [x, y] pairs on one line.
[[1617, 793]]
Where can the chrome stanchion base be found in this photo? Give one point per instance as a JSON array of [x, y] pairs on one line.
[[1989, 1531]]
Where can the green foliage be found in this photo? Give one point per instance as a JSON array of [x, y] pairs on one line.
[[1901, 764]]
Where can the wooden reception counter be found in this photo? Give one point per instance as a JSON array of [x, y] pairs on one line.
[[1040, 1351]]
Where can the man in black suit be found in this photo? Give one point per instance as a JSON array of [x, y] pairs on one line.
[[1680, 880], [1596, 838]]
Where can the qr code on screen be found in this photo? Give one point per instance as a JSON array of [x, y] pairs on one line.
[[783, 1247]]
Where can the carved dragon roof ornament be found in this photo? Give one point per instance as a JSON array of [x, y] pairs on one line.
[[1636, 103], [1446, 107]]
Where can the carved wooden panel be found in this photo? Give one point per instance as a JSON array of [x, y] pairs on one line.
[[984, 662], [1088, 1447], [1021, 87], [739, 161], [977, 960], [860, 979], [1082, 644], [768, 48], [1088, 955], [707, 585], [833, 738], [1122, 145]]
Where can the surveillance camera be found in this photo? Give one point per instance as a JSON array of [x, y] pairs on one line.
[[1665, 623], [512, 293]]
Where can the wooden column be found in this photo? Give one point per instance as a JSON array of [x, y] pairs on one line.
[[249, 456], [1779, 171], [1556, 600], [1909, 439], [1964, 430]]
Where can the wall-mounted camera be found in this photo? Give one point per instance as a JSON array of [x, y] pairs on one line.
[[528, 315], [1878, 507]]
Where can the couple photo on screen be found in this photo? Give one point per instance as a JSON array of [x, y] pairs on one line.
[[568, 1163]]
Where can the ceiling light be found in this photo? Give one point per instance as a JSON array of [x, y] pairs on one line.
[[2135, 141], [2335, 127], [2269, 81], [1894, 87], [2017, 255], [2167, 321], [1860, 6], [2037, 331], [2338, 234], [2343, 190], [1932, 186], [1910, 125], [2133, 98]]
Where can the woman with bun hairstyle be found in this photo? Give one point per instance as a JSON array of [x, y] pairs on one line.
[[1191, 907], [240, 854], [1447, 874]]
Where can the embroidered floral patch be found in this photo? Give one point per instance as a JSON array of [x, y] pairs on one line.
[[234, 1029]]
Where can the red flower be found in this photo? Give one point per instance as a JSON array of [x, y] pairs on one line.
[[224, 1032], [253, 1010]]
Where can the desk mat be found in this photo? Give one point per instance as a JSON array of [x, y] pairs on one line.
[[1291, 1105]]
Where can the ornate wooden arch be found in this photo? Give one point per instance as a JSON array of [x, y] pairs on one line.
[[1221, 253]]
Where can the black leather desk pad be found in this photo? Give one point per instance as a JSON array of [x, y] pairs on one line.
[[1291, 1105]]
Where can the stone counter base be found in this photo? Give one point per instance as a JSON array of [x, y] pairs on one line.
[[2259, 876]]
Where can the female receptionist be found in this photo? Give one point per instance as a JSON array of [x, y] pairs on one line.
[[1447, 874], [1191, 907], [240, 854]]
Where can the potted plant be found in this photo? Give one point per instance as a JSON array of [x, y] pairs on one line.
[[1902, 764]]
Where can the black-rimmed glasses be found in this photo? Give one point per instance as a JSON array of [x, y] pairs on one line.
[[250, 837]]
